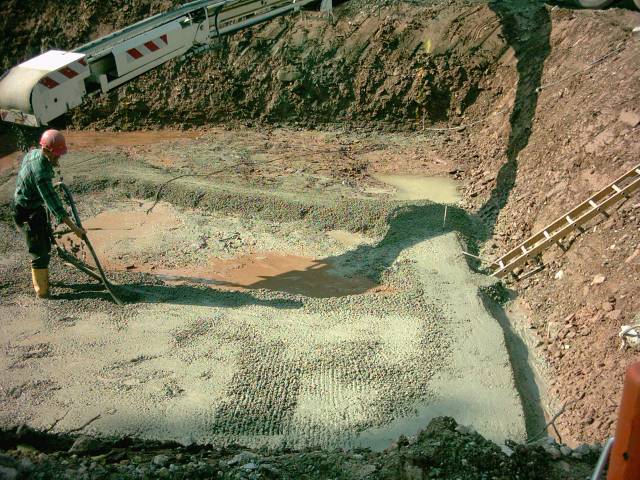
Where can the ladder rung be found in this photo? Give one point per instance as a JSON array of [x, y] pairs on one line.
[[598, 203]]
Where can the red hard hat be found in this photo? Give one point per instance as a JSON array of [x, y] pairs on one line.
[[53, 141]]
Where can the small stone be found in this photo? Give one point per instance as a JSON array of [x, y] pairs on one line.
[[629, 118], [607, 306], [85, 444], [465, 430], [564, 450], [633, 256], [243, 458], [160, 460], [598, 279], [25, 466], [553, 330], [250, 466], [506, 450], [614, 315], [366, 470], [288, 74], [554, 452], [559, 275], [582, 449], [27, 449], [413, 472]]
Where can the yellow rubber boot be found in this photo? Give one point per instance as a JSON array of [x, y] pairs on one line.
[[40, 277]]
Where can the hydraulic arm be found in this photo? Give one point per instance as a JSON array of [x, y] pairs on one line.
[[47, 86]]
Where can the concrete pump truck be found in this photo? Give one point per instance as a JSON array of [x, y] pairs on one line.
[[46, 87]]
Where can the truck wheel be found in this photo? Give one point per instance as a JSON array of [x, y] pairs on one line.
[[596, 3]]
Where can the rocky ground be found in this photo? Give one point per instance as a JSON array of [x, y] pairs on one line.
[[442, 450]]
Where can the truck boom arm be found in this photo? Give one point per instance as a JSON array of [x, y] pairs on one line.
[[47, 86]]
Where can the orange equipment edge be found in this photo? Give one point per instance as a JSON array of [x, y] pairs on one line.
[[624, 463]]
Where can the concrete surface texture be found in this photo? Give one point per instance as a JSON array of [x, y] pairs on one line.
[[261, 362]]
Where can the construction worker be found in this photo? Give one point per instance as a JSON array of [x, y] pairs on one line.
[[34, 191]]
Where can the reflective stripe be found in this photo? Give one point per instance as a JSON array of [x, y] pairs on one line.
[[148, 47], [151, 46], [135, 53], [49, 82], [57, 77]]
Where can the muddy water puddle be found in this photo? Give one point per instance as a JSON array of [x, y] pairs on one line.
[[272, 271], [117, 231], [413, 187], [88, 141]]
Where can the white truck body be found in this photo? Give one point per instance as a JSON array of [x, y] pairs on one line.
[[43, 88]]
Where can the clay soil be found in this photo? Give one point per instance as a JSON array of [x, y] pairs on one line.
[[529, 107]]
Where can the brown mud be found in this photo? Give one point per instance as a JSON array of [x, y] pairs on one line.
[[274, 271]]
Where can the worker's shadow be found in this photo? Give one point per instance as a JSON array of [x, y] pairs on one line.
[[152, 292], [407, 226], [527, 30]]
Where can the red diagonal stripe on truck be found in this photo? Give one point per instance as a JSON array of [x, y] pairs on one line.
[[49, 82], [69, 73], [164, 38], [82, 62], [135, 53], [152, 46]]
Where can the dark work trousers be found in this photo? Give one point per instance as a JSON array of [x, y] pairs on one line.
[[34, 223]]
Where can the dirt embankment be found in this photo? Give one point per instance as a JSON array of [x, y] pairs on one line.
[[400, 64], [573, 130], [442, 450]]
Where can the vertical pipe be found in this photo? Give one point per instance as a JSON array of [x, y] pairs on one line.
[[624, 463]]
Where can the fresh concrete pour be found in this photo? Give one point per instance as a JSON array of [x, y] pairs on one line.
[[263, 363]]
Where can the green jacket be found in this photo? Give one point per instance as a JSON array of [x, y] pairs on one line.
[[34, 186]]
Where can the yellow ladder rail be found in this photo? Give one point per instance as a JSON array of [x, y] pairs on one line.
[[560, 228]]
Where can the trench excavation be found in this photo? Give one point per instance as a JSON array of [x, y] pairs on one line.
[[328, 320], [298, 221]]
